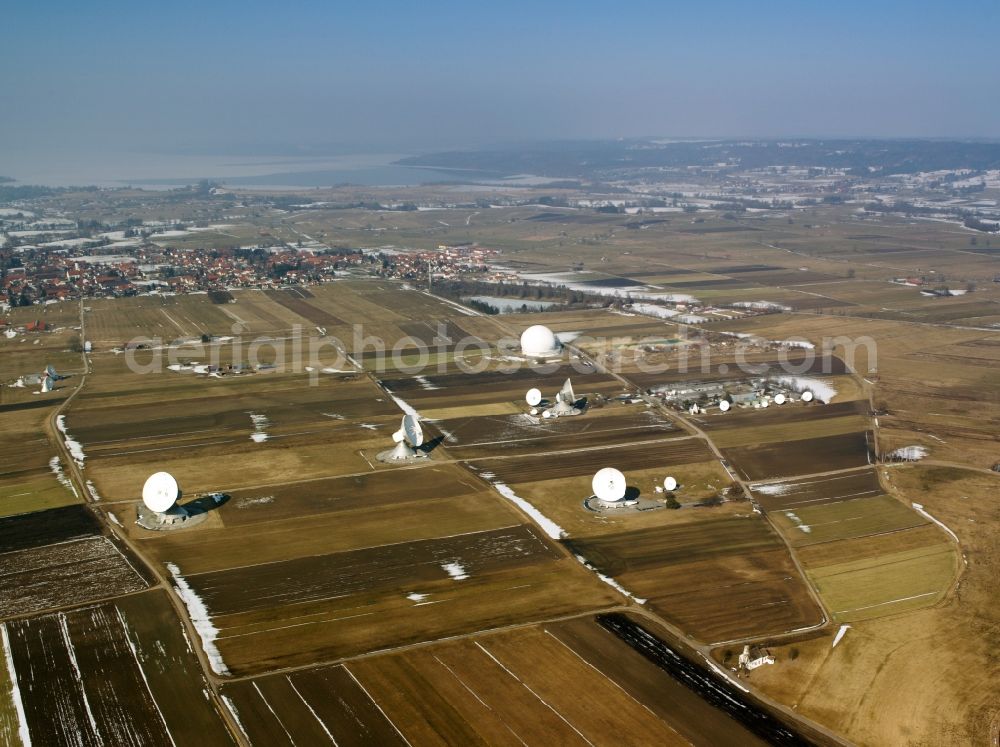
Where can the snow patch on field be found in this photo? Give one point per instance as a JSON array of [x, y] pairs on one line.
[[840, 634], [798, 522], [200, 618], [760, 306], [260, 423], [235, 713], [75, 449], [822, 390], [803, 344], [258, 501], [55, 464], [920, 510], [548, 526], [456, 570], [609, 581], [908, 454], [15, 691], [415, 597], [404, 406], [649, 309], [114, 519], [774, 488], [93, 490], [425, 383]]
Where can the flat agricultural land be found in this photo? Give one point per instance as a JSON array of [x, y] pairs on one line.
[[915, 676], [716, 579], [857, 517], [505, 688], [802, 457], [799, 493], [324, 607], [342, 599], [57, 558], [121, 672]]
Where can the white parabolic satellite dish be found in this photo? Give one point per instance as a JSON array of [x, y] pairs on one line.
[[160, 492], [412, 430], [724, 405], [807, 396], [609, 485], [533, 397], [779, 399], [670, 483]]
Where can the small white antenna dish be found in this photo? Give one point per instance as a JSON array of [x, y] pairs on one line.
[[765, 402], [724, 405], [779, 399], [670, 484], [160, 492], [609, 485], [807, 396], [533, 397]]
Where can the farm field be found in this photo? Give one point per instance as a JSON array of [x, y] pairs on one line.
[[390, 595], [940, 651], [515, 687], [804, 456], [57, 558], [117, 673], [847, 519], [809, 491], [716, 579]]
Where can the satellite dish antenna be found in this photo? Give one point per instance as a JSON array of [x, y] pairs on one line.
[[414, 433], [779, 399], [724, 405], [533, 397], [409, 436], [609, 485], [568, 395], [51, 371], [670, 484], [160, 492], [807, 396], [765, 402], [47, 384]]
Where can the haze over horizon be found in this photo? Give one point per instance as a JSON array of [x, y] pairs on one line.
[[237, 78]]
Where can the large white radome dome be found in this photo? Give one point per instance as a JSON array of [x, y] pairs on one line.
[[539, 341]]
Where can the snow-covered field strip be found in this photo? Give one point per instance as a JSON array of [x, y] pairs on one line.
[[200, 618], [15, 691]]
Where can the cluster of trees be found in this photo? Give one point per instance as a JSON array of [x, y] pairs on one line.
[[978, 225]]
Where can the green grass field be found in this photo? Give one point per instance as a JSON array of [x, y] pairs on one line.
[[887, 584]]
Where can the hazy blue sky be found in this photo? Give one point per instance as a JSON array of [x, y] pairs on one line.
[[434, 74]]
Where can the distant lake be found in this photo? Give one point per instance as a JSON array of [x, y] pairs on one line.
[[158, 170]]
